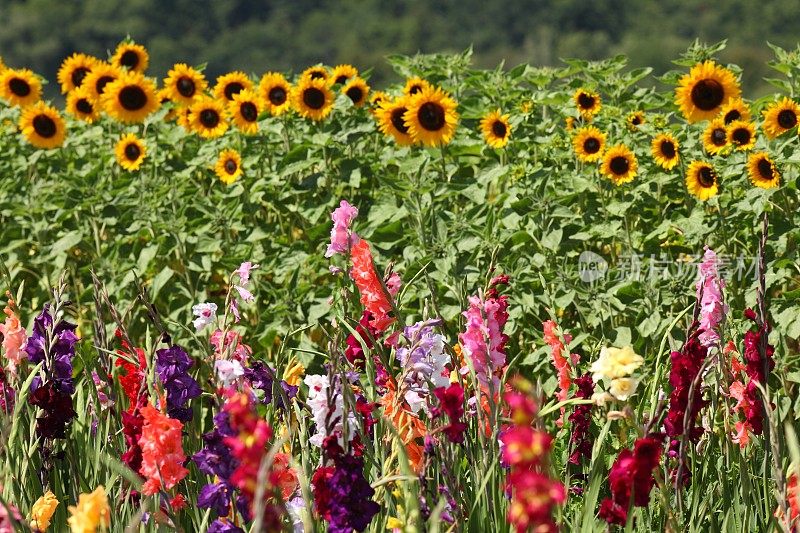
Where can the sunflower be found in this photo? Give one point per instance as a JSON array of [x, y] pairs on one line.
[[130, 98], [317, 72], [496, 129], [735, 109], [619, 164], [704, 90], [762, 171], [130, 56], [742, 134], [230, 84], [130, 152], [274, 91], [635, 119], [342, 74], [780, 117], [431, 117], [376, 98], [206, 117], [715, 137], [701, 180], [98, 79], [2, 65], [589, 143], [415, 85], [390, 120], [665, 151], [184, 120], [569, 123], [244, 111], [312, 98], [20, 87], [74, 70], [356, 90], [42, 126], [229, 166], [81, 105], [587, 102], [183, 84]]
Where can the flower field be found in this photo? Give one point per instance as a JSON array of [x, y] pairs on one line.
[[521, 299]]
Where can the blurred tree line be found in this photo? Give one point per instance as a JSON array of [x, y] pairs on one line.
[[256, 36]]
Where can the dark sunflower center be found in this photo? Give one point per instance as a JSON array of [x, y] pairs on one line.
[[707, 94], [667, 149], [499, 129], [186, 87], [415, 89], [249, 111], [585, 101], [132, 98], [636, 120], [277, 95], [719, 137], [355, 94], [591, 145], [19, 87], [619, 165], [101, 83], [84, 106], [765, 169], [209, 118], [44, 126], [741, 136], [129, 59], [233, 88], [397, 120], [78, 75], [732, 115], [341, 79], [431, 116], [314, 98], [787, 119], [317, 75], [132, 152], [706, 176], [230, 166]]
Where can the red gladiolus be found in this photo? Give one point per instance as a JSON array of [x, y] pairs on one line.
[[373, 296], [561, 360], [526, 451], [162, 451]]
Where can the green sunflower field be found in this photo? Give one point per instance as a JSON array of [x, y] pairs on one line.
[[518, 299]]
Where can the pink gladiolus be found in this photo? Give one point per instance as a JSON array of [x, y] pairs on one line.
[[483, 340], [342, 239], [709, 291], [14, 338], [244, 272]]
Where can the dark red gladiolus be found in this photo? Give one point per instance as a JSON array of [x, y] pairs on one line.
[[581, 420], [685, 366], [631, 479], [451, 403]]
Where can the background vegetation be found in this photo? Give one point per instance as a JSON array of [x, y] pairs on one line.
[[292, 34]]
